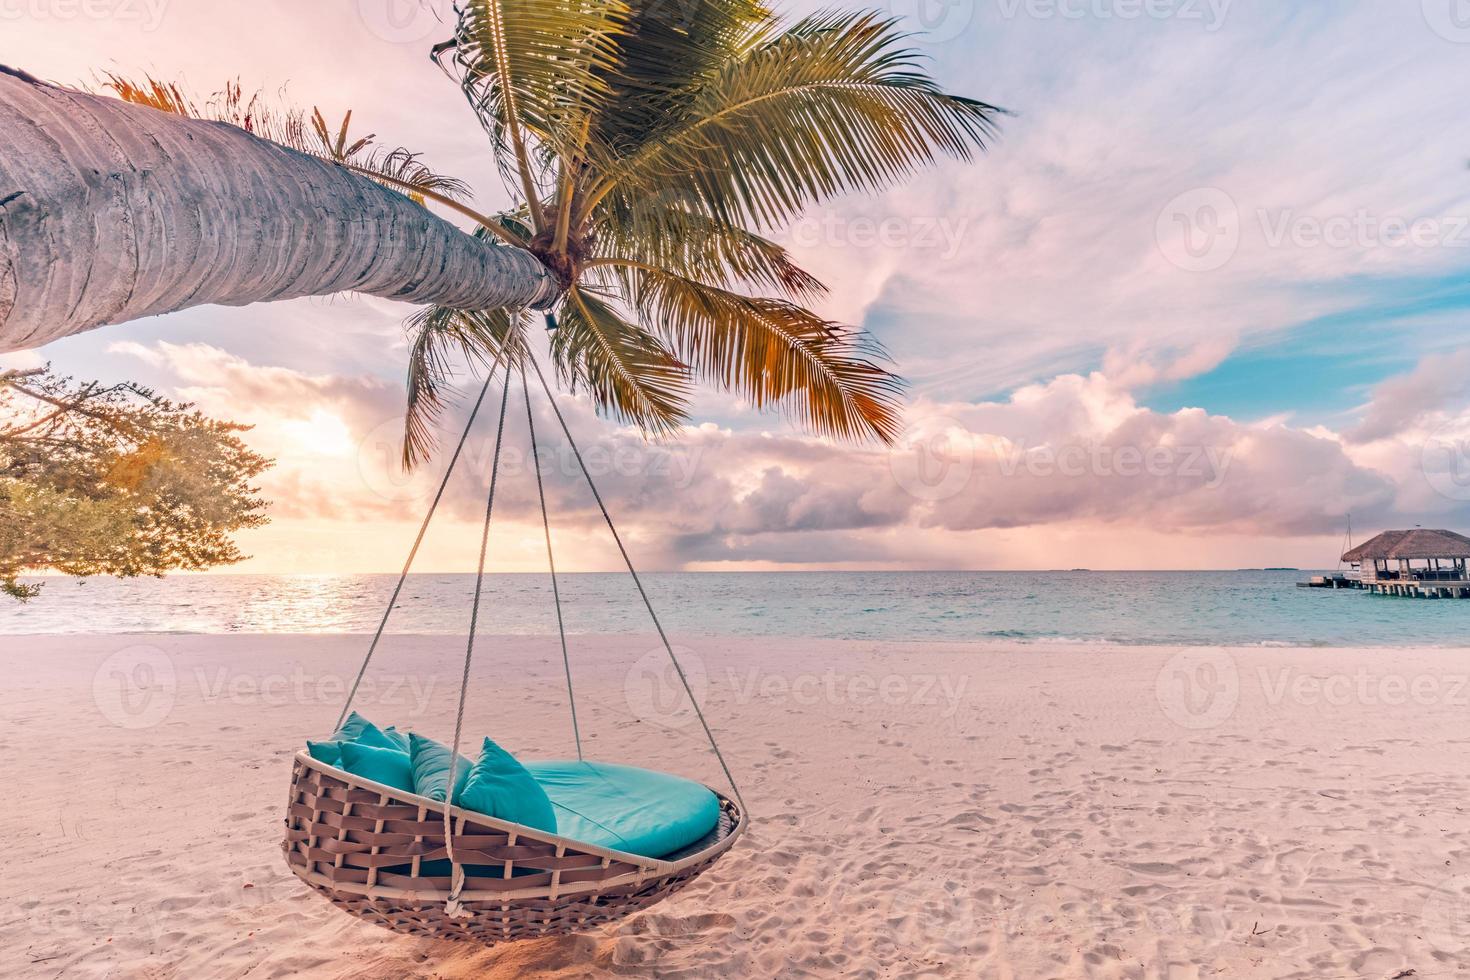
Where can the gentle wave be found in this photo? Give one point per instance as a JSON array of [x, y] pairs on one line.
[[1153, 608]]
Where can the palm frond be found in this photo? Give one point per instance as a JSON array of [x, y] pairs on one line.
[[832, 105], [700, 247], [670, 47], [778, 354], [536, 64], [441, 340], [630, 374]]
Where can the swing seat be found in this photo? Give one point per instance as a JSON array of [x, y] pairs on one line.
[[378, 852], [626, 809]]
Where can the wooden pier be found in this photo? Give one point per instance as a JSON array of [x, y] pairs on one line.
[[1417, 564]]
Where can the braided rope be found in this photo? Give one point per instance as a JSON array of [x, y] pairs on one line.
[[413, 552], [551, 560], [678, 668], [452, 906]]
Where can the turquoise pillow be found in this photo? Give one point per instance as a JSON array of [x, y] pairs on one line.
[[500, 787], [358, 729], [387, 766], [328, 752], [430, 762]]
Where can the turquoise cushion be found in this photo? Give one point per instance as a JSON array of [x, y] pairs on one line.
[[387, 766], [430, 762], [358, 729], [500, 787], [328, 752], [627, 809]]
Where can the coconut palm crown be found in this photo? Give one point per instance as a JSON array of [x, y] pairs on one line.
[[649, 146]]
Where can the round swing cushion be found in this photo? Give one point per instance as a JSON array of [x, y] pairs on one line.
[[378, 852], [625, 808]]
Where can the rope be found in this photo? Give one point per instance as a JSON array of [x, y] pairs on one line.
[[413, 552], [452, 907], [551, 560], [678, 668]]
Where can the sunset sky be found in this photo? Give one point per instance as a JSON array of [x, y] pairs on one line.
[[1207, 294]]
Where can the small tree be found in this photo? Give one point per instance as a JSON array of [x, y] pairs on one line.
[[114, 480]]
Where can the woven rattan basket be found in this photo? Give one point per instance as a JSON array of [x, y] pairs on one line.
[[364, 846]]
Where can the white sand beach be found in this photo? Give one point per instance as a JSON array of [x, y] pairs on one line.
[[932, 810]]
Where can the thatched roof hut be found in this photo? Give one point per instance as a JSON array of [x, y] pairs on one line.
[[1417, 563], [1418, 544]]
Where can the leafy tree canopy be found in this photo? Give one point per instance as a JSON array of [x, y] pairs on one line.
[[114, 480]]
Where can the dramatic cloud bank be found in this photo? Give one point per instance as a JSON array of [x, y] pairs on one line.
[[1177, 191]]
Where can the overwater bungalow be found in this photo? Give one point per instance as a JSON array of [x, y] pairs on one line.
[[1421, 563]]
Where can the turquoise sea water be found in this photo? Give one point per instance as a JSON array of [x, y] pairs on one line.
[[1209, 608]]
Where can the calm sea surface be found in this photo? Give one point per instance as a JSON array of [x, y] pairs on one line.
[[1115, 607]]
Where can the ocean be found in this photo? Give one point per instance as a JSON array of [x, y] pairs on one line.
[[1163, 608]]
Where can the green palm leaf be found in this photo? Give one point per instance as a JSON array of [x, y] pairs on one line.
[[441, 340], [537, 65], [777, 354], [699, 247], [834, 104], [629, 372]]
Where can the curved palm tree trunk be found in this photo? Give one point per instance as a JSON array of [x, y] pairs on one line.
[[111, 211]]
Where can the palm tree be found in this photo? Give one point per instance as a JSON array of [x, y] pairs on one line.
[[650, 147], [111, 211]]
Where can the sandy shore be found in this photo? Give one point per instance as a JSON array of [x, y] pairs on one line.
[[921, 809]]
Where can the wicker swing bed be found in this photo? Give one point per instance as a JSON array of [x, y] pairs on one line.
[[381, 853]]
